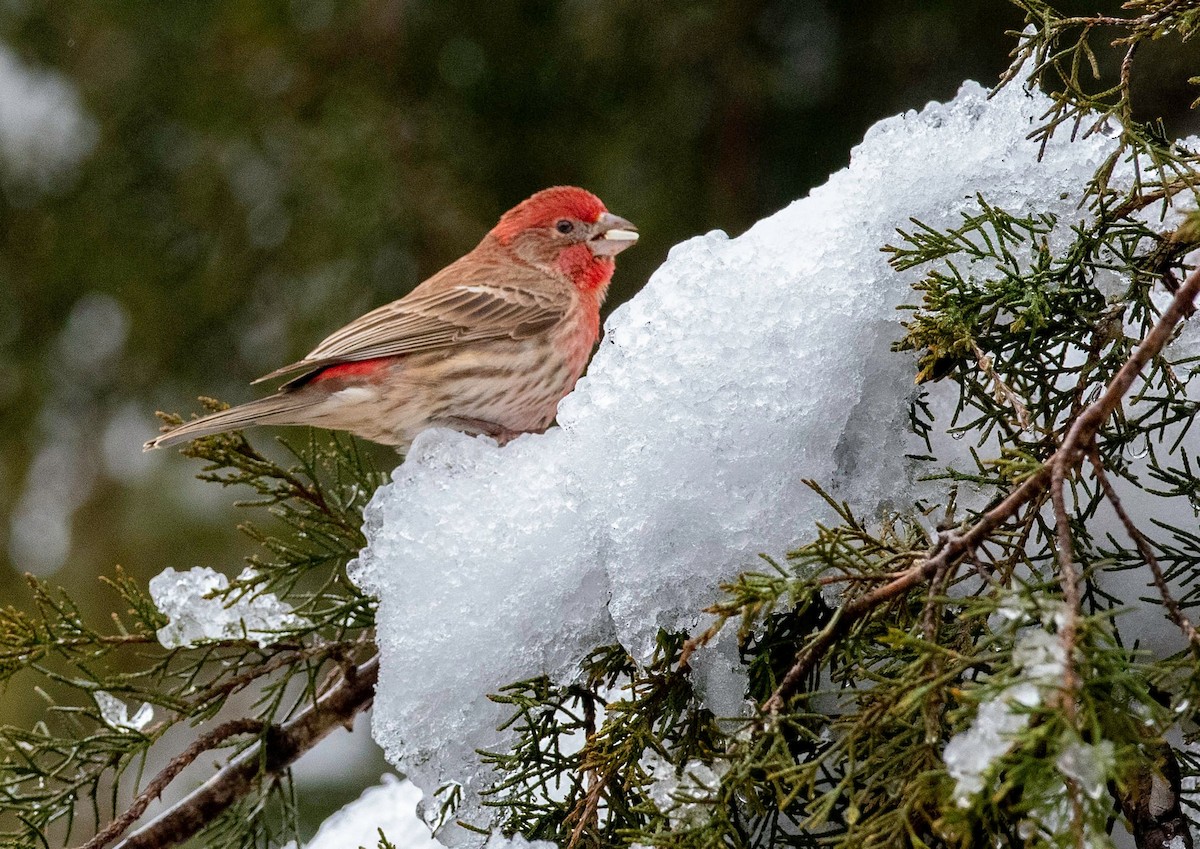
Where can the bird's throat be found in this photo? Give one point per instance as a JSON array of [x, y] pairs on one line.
[[589, 273]]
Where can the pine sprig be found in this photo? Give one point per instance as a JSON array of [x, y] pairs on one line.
[[1058, 52], [82, 752]]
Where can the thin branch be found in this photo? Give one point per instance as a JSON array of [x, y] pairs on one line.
[[1002, 391], [280, 747], [155, 788], [1068, 579], [588, 807], [278, 661], [1145, 198], [1143, 546]]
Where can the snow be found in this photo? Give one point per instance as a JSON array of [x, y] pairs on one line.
[[684, 798], [1088, 766], [499, 841], [44, 131], [115, 713], [391, 807], [743, 367], [970, 754], [198, 609], [1039, 659]]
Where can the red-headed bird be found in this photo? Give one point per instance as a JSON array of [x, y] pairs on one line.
[[488, 345]]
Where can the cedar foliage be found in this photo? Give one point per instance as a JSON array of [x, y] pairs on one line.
[[61, 780]]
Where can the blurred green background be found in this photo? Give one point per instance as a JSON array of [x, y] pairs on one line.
[[194, 193]]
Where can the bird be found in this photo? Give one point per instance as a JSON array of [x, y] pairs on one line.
[[487, 346]]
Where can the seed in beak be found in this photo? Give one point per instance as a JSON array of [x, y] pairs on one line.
[[616, 234]]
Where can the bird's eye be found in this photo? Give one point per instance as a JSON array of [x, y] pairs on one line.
[[564, 226]]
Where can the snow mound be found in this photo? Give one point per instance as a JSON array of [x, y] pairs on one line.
[[391, 807], [744, 366]]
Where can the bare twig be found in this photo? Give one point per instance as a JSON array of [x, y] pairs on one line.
[[278, 661], [154, 789], [1068, 578], [280, 747], [1145, 198], [1143, 546], [1001, 391]]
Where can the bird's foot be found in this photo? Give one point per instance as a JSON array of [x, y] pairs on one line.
[[477, 427]]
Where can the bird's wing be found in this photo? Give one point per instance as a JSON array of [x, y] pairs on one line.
[[434, 317]]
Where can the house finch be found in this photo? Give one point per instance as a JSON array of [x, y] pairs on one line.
[[488, 345]]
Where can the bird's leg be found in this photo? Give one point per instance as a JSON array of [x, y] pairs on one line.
[[479, 426]]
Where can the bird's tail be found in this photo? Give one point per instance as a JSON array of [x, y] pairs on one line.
[[274, 409]]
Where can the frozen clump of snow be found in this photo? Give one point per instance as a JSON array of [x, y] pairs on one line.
[[685, 798], [970, 754], [743, 367], [1088, 766], [44, 130], [499, 841], [390, 807], [198, 610], [720, 678], [1039, 658], [115, 712]]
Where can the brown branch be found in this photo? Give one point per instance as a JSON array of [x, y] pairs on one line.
[[951, 546], [1151, 801], [280, 747], [589, 814], [589, 811], [154, 789], [1068, 578], [278, 661], [1145, 198], [1146, 21], [1174, 611]]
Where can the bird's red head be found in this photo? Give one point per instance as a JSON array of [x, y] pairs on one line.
[[546, 208], [566, 230]]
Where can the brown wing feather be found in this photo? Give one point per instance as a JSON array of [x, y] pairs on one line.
[[438, 314]]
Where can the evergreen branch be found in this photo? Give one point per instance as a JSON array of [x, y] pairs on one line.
[[280, 747], [47, 772], [951, 546], [286, 656], [1055, 52]]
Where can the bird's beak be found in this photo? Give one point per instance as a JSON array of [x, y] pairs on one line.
[[613, 235]]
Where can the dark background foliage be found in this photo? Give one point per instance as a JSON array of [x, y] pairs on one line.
[[263, 172]]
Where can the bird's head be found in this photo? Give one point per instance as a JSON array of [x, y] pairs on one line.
[[566, 230]]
